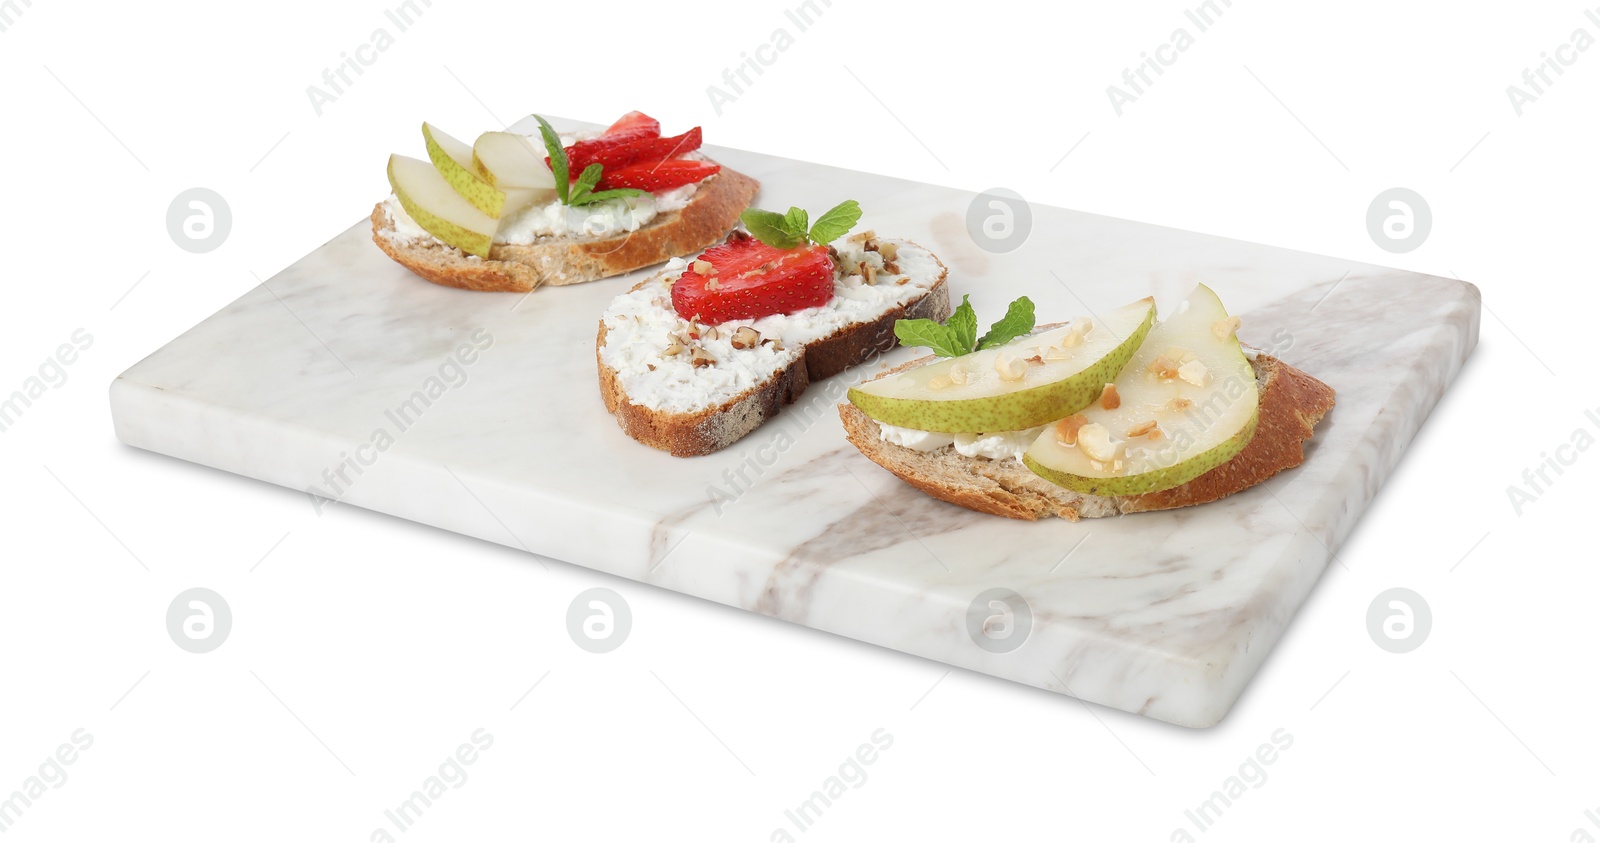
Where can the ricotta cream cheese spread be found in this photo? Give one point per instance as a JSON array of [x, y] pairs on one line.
[[1007, 444]]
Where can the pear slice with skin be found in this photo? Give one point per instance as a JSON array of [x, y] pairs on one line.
[[1192, 380], [438, 208], [453, 159], [1029, 381], [510, 160]]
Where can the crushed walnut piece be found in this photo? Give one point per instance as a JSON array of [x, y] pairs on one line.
[[746, 337], [704, 267], [889, 251], [1010, 368], [1163, 367], [1110, 399], [1067, 429], [1179, 404], [699, 357], [1149, 428]]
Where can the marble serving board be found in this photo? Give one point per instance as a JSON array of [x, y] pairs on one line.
[[311, 381]]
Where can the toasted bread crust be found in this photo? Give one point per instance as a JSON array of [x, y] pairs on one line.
[[1292, 402], [711, 213], [712, 429]]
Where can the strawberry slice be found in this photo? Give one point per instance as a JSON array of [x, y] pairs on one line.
[[634, 126], [646, 149], [656, 176], [750, 279], [636, 120]]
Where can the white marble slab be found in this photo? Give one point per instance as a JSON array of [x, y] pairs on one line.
[[1164, 614]]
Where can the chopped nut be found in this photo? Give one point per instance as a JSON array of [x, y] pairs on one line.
[[1163, 367], [1194, 372], [863, 236], [870, 246], [1224, 328], [889, 251], [673, 349], [1109, 397], [1143, 428], [704, 267], [700, 357], [712, 283], [939, 382], [1082, 326], [1097, 443], [903, 280], [650, 366], [833, 254], [1067, 429], [870, 272], [711, 333], [1010, 368], [1179, 404], [958, 373], [1035, 360], [746, 337], [891, 267], [738, 236]]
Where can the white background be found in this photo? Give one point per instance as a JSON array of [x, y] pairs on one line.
[[365, 648]]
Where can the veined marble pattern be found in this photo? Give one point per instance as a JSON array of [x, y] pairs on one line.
[[1166, 614]]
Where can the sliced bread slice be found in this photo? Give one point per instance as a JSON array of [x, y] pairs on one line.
[[1291, 404], [709, 215], [691, 390]]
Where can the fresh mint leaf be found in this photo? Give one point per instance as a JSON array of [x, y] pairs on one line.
[[558, 157], [928, 333], [797, 222], [837, 222], [964, 325], [603, 195], [770, 228], [585, 184], [1017, 322]]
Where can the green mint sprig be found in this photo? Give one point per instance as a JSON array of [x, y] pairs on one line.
[[786, 231], [958, 335], [580, 192]]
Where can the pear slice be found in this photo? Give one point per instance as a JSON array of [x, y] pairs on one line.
[[453, 159], [438, 208], [1027, 382], [1188, 403], [508, 160]]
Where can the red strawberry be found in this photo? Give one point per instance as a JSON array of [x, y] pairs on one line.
[[636, 120], [750, 279], [645, 149], [658, 175], [633, 127]]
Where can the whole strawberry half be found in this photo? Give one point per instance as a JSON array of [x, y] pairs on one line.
[[749, 279], [656, 176]]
